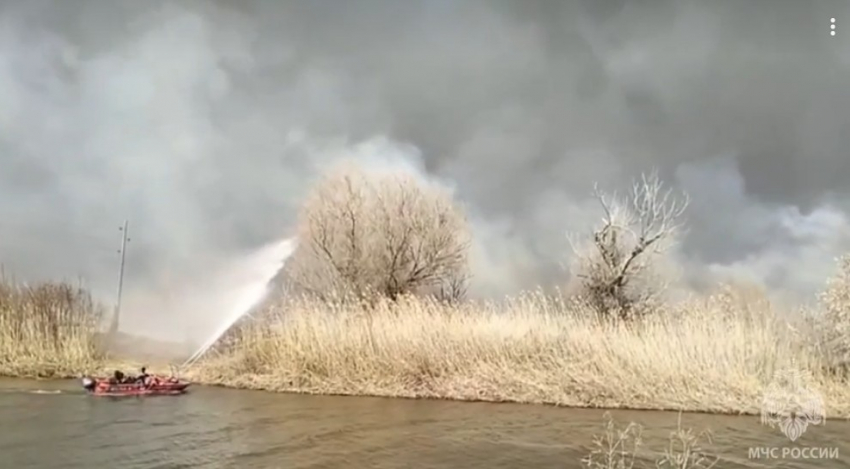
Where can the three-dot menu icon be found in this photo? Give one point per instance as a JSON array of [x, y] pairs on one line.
[[832, 26]]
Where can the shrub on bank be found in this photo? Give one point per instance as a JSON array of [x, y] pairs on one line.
[[379, 234], [621, 271], [48, 329]]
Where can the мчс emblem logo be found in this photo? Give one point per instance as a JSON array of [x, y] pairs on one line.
[[790, 405]]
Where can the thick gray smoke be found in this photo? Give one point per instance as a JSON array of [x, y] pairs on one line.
[[205, 122]]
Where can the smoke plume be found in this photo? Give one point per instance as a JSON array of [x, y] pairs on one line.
[[204, 122]]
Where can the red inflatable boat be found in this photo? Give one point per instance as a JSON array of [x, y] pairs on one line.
[[153, 386]]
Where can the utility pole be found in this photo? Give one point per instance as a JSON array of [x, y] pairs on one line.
[[125, 238]]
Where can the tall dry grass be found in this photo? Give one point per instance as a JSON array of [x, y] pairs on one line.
[[47, 330], [713, 354]]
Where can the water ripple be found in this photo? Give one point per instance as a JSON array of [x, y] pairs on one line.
[[219, 429]]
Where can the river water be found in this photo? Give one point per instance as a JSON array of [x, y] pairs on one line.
[[220, 428]]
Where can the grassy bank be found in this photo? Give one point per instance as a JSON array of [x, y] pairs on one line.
[[714, 354], [527, 350], [48, 330]]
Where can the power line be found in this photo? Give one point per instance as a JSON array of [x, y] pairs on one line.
[[13, 231]]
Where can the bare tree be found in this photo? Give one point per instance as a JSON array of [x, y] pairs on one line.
[[617, 267], [384, 234], [453, 289]]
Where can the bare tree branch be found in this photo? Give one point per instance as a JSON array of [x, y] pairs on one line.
[[384, 234], [615, 265]]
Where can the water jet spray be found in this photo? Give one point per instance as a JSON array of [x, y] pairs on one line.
[[268, 262]]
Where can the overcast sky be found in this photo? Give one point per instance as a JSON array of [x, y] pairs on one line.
[[205, 122]]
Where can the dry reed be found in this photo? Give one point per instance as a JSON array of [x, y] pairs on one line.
[[47, 330], [713, 354], [623, 448]]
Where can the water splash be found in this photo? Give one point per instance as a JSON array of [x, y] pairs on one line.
[[264, 266]]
